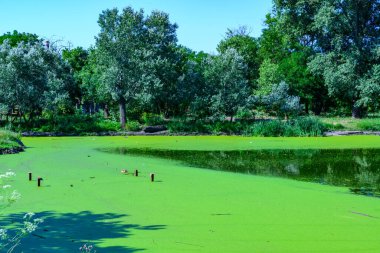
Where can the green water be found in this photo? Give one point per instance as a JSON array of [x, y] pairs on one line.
[[84, 197], [358, 169]]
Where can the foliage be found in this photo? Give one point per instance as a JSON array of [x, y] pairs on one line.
[[351, 124], [133, 126], [344, 36], [299, 127], [16, 37], [313, 57], [32, 78], [87, 248], [369, 125], [77, 59], [150, 119], [280, 102], [9, 139], [80, 124], [247, 47], [226, 82], [270, 75], [131, 53]]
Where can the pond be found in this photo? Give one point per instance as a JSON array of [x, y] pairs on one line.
[[358, 169]]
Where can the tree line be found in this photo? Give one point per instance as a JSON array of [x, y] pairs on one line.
[[313, 57]]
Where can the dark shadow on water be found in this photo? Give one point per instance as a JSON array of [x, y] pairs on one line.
[[66, 232], [358, 169]]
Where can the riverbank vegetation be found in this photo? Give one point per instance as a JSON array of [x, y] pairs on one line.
[[9, 140], [317, 58]]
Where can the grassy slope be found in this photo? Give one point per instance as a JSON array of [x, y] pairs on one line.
[[8, 139], [188, 210], [348, 123]]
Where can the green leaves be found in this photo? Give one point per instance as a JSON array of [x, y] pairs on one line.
[[32, 78], [227, 85], [134, 54]]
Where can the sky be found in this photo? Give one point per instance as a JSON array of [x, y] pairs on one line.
[[202, 23]]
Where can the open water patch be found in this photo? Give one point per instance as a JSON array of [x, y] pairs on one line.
[[357, 169]]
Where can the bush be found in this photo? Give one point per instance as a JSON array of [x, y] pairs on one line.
[[266, 128], [9, 139], [188, 126], [369, 124], [307, 126], [75, 124], [335, 126], [299, 127], [150, 119], [133, 126]]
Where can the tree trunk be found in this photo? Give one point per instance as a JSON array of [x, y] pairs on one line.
[[357, 112], [122, 113], [106, 112], [307, 106]]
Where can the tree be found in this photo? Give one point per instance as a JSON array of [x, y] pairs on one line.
[[32, 78], [270, 75], [280, 102], [344, 35], [226, 83], [285, 58], [131, 50], [77, 58], [15, 38], [247, 47]]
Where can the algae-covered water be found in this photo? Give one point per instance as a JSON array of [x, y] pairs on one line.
[[358, 169], [86, 199]]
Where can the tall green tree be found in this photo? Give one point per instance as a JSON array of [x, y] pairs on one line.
[[16, 37], [285, 58], [344, 34], [247, 47], [131, 49], [32, 78], [227, 84], [77, 58]]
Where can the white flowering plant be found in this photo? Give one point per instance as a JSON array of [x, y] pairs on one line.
[[87, 248], [11, 238]]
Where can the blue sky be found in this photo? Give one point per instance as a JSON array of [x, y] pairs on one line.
[[202, 24]]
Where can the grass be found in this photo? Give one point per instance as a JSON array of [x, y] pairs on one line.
[[85, 199], [350, 124], [9, 139], [297, 127]]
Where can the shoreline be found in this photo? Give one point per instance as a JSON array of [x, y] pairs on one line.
[[167, 133], [10, 151]]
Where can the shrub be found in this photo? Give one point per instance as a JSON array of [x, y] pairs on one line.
[[133, 126], [299, 127], [266, 128], [150, 119], [9, 139], [369, 125], [188, 126], [334, 126], [307, 126]]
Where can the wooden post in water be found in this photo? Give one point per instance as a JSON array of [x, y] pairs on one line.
[[39, 181], [30, 176], [136, 173], [151, 177]]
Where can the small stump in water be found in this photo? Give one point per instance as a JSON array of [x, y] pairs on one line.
[[151, 177], [39, 181], [30, 176], [136, 173]]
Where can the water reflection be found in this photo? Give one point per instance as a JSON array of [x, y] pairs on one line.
[[357, 169]]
